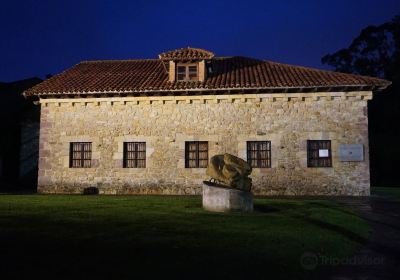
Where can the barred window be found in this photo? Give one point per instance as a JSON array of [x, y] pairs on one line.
[[196, 154], [80, 155], [319, 153], [134, 154], [259, 154]]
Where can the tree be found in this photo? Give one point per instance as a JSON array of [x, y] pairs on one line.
[[376, 52]]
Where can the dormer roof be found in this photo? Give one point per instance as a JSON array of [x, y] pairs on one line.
[[186, 54]]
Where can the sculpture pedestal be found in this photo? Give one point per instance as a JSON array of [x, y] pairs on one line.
[[219, 199]]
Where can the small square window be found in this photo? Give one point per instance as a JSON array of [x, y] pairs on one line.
[[259, 154], [134, 155], [187, 72], [319, 153], [80, 155], [196, 154]]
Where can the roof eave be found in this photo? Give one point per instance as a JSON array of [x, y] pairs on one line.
[[232, 90]]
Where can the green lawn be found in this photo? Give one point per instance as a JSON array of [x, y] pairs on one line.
[[123, 237]]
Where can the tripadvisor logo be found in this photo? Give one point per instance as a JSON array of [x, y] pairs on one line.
[[309, 260]]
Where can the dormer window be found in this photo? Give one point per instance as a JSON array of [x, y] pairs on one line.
[[187, 64], [187, 72]]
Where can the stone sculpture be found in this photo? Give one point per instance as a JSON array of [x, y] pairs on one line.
[[230, 171]]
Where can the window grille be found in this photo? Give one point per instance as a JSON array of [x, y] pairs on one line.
[[196, 154], [134, 155], [319, 153], [259, 154], [80, 154]]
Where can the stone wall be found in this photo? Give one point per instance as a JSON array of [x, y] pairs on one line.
[[227, 122]]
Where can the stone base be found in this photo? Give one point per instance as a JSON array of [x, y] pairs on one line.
[[223, 199]]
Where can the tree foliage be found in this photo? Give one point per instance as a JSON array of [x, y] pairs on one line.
[[375, 52]]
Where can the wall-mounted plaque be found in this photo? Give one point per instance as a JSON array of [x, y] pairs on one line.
[[351, 152]]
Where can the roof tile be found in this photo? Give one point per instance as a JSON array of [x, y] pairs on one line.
[[149, 75], [186, 54]]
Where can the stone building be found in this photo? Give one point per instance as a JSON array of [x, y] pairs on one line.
[[149, 126]]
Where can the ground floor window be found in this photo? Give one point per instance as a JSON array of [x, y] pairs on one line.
[[259, 154], [319, 153], [134, 154], [80, 155], [196, 154]]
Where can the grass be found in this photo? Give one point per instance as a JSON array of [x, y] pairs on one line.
[[123, 237]]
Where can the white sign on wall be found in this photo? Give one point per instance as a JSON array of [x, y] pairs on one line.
[[323, 153], [351, 152]]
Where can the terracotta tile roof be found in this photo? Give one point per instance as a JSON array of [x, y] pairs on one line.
[[150, 76], [186, 53]]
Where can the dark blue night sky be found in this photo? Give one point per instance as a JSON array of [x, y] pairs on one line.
[[48, 36]]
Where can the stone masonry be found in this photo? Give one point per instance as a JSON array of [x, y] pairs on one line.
[[225, 121]]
